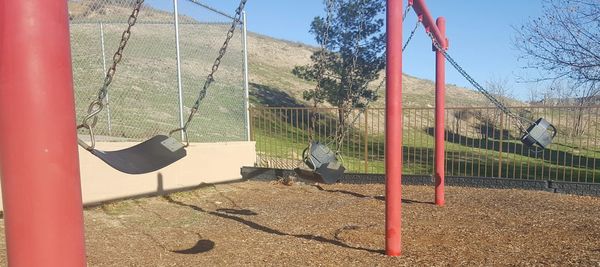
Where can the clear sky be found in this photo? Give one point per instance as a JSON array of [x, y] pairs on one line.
[[480, 33]]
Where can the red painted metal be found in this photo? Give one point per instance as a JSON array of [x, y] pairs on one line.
[[393, 130], [39, 163], [420, 8], [440, 91]]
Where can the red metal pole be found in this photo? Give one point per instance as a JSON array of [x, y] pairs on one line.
[[39, 162], [422, 11], [393, 130], [440, 91]]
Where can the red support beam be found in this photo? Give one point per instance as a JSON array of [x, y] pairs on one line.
[[393, 130], [422, 11], [440, 92], [39, 164]]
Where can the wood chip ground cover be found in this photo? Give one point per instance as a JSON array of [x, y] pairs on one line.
[[270, 224]]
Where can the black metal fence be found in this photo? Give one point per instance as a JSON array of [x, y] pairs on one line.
[[480, 141]]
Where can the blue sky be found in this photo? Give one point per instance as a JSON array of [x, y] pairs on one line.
[[480, 33]]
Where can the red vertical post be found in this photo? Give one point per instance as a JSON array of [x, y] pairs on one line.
[[440, 92], [39, 165], [393, 130]]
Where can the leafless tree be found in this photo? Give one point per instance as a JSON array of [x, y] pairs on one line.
[[537, 96], [563, 44], [498, 86]]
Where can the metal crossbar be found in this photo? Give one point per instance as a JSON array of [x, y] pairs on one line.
[[212, 9]]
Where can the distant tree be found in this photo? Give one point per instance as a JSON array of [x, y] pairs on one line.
[[499, 87], [564, 45], [353, 45], [537, 96]]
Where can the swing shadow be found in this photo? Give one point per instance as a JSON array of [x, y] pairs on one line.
[[358, 195], [203, 245], [266, 229]]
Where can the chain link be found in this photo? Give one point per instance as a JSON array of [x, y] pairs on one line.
[[341, 128], [519, 120], [406, 10], [210, 78], [412, 34], [320, 69], [119, 54], [98, 104], [347, 105]]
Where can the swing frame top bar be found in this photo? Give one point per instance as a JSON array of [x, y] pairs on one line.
[[425, 17]]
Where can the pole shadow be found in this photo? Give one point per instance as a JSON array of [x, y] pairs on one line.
[[380, 198]]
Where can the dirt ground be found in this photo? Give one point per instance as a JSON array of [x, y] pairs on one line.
[[271, 224]]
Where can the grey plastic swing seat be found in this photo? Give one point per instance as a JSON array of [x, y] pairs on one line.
[[329, 173], [540, 134], [151, 155], [323, 164]]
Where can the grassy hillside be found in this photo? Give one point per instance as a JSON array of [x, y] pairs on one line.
[[272, 60], [143, 96], [144, 100]]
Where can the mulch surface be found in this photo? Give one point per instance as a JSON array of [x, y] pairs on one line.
[[257, 223]]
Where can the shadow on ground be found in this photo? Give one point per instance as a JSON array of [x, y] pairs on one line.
[[266, 229], [380, 198]]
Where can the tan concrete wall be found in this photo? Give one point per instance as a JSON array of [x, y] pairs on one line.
[[204, 163]]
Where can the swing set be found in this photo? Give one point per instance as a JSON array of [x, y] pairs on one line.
[[325, 164], [160, 150], [42, 202]]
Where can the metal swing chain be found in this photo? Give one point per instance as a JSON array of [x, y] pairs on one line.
[[342, 128], [320, 70], [210, 78], [519, 120], [97, 105], [412, 34], [406, 10]]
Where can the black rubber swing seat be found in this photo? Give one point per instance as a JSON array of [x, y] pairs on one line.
[[151, 155], [323, 164]]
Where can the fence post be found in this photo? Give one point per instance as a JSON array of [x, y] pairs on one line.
[[366, 146], [251, 114], [178, 60], [500, 146], [104, 69], [246, 89]]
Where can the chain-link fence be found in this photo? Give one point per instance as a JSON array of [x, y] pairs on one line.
[[143, 99]]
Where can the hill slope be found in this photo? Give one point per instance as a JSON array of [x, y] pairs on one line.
[[143, 95], [272, 60]]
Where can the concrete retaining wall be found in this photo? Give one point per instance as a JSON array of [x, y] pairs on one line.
[[482, 182], [204, 163]]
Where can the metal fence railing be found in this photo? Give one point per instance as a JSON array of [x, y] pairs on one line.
[[480, 142], [143, 99]]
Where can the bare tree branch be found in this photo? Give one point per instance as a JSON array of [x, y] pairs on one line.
[[564, 44]]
